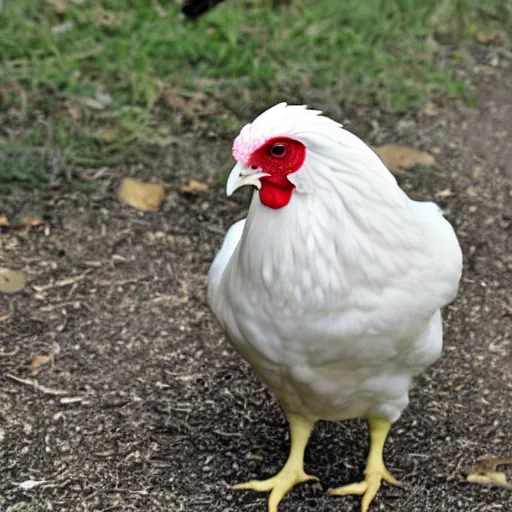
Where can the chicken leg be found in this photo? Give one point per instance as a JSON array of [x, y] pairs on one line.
[[375, 470], [292, 472]]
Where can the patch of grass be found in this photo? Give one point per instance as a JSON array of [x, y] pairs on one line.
[[117, 76], [24, 167]]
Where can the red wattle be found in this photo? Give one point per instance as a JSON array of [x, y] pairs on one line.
[[274, 196]]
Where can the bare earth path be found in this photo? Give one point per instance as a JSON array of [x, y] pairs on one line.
[[159, 413]]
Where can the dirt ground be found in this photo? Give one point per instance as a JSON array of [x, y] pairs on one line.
[[146, 406]]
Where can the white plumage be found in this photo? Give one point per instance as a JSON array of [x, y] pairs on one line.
[[335, 298]]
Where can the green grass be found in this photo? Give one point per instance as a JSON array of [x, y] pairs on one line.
[[104, 81]]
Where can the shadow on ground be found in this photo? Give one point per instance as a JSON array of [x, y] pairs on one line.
[[157, 412]]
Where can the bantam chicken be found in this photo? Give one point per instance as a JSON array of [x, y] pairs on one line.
[[332, 286]]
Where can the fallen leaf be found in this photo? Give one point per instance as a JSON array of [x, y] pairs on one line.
[[194, 186], [4, 222], [11, 281], [177, 103], [29, 221], [4, 318], [38, 362], [397, 158], [484, 471], [141, 195], [487, 38]]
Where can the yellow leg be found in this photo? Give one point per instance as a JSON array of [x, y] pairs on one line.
[[375, 470], [292, 472]]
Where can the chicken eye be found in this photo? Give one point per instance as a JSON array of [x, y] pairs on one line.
[[278, 150]]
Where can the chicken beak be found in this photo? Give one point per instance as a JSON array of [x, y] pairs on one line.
[[240, 176]]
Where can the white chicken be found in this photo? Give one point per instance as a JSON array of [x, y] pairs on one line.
[[332, 286]]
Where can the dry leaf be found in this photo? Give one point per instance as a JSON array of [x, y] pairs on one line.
[[4, 318], [141, 195], [29, 221], [11, 281], [397, 158], [484, 471], [38, 362], [486, 38], [4, 222], [177, 103], [194, 186]]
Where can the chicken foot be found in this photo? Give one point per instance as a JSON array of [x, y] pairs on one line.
[[375, 470], [292, 472]]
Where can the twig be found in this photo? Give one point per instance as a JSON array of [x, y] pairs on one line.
[[62, 282], [36, 385], [9, 354], [127, 281]]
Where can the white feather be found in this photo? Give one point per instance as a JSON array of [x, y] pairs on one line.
[[335, 299]]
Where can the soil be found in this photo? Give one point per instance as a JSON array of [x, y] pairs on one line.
[[145, 406]]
